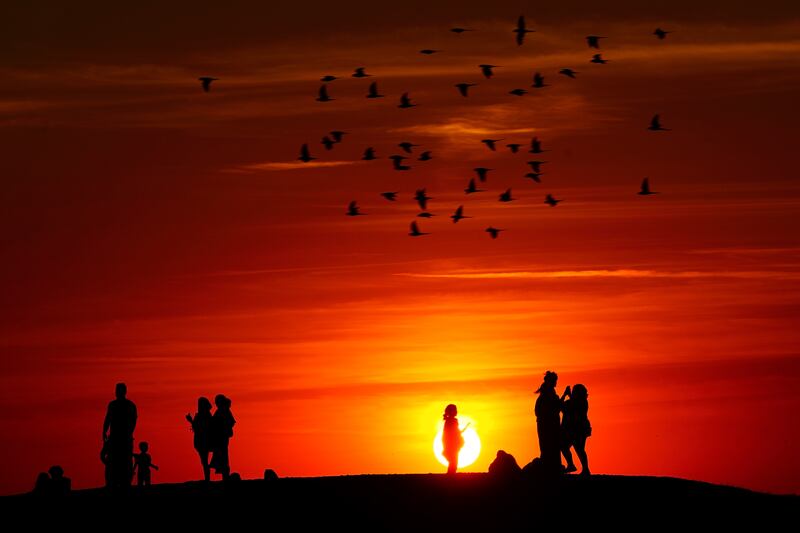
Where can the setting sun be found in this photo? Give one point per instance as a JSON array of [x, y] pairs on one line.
[[472, 443]]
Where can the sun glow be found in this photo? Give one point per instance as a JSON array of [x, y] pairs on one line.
[[472, 443]]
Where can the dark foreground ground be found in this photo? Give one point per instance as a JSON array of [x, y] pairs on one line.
[[469, 502]]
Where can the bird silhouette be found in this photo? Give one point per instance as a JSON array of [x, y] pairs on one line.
[[205, 82], [518, 92], [425, 156], [593, 41], [305, 156], [323, 94], [407, 146], [397, 161], [359, 73], [328, 78], [428, 51], [514, 147], [661, 34], [536, 165], [490, 143], [538, 81], [536, 146], [471, 188], [328, 143], [464, 87], [353, 211], [520, 30], [373, 90], [568, 72], [369, 154], [391, 196], [486, 70], [405, 102], [458, 215], [655, 124], [552, 202], [422, 199], [535, 176], [415, 232], [337, 135], [645, 189], [425, 214], [598, 58], [459, 31], [493, 232], [506, 196], [482, 172]]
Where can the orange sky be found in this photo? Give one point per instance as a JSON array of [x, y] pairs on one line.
[[159, 235]]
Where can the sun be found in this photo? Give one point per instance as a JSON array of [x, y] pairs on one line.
[[472, 443]]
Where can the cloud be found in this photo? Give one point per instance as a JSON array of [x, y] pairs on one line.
[[289, 165], [621, 273]]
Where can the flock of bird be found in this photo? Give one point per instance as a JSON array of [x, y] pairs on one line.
[[487, 70]]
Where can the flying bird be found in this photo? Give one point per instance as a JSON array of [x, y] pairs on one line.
[[655, 124], [397, 162], [352, 210], [598, 58], [506, 196], [459, 31], [328, 78], [359, 73], [405, 102], [518, 92], [391, 196], [428, 51], [490, 143], [486, 70], [514, 147], [471, 188], [521, 30], [458, 215], [661, 34], [425, 214], [323, 94], [338, 135], [538, 81], [305, 156], [482, 172], [464, 87], [422, 199], [407, 146], [327, 142], [373, 90], [425, 156], [535, 176], [552, 202], [568, 72], [369, 154], [645, 190], [415, 232], [536, 166], [536, 146], [593, 41], [494, 232], [205, 82]]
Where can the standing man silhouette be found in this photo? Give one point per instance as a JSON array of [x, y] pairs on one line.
[[118, 429]]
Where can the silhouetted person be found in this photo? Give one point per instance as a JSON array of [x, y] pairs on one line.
[[59, 485], [575, 427], [201, 427], [504, 465], [452, 439], [548, 423], [142, 463], [270, 475], [118, 428], [221, 432], [42, 487]]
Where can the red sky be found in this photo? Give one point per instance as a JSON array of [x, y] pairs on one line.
[[159, 235]]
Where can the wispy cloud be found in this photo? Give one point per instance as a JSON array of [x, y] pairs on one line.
[[621, 273], [289, 165]]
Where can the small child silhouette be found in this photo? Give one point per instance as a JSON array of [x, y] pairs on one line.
[[452, 439], [142, 465]]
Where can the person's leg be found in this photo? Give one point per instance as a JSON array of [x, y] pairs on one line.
[[580, 451], [566, 443], [452, 463], [204, 461]]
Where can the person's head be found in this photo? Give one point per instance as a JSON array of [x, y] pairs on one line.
[[450, 411], [221, 401], [550, 380], [579, 391], [203, 404], [42, 481], [56, 472], [121, 390], [143, 447]]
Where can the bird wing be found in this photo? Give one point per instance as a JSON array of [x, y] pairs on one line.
[[323, 92], [645, 185], [521, 23], [414, 228], [656, 122]]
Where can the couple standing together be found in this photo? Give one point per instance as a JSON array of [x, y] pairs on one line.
[[212, 434], [557, 435]]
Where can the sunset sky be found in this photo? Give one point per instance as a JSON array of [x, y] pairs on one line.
[[159, 235]]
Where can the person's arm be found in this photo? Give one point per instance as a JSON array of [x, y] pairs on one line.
[[135, 416], [154, 466], [106, 423]]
